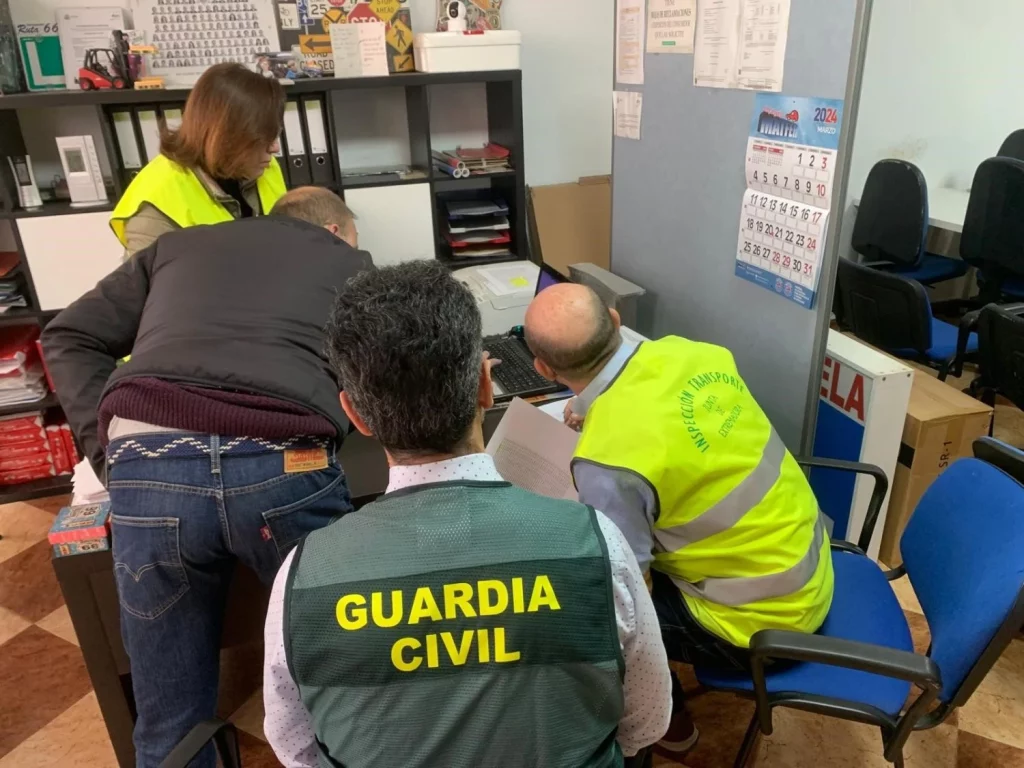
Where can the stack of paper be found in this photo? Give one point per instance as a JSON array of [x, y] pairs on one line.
[[21, 372], [11, 287], [478, 228], [87, 488], [461, 162]]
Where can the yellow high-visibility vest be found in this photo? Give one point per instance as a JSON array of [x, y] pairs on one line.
[[180, 196], [737, 527]]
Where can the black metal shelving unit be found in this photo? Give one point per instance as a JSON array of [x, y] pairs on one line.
[[505, 126]]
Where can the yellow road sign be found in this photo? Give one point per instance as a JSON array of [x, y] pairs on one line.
[[399, 36], [333, 16], [404, 62], [315, 43], [385, 9]]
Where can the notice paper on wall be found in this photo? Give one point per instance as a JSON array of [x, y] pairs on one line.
[[790, 166], [629, 42], [716, 44], [741, 44], [764, 31], [627, 114], [670, 25], [359, 50]]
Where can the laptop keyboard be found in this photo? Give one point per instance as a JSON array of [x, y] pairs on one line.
[[516, 373]]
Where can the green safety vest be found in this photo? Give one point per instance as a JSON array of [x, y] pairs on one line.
[[459, 624], [180, 196], [737, 525]]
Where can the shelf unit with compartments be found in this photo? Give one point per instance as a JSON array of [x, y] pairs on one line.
[[65, 249]]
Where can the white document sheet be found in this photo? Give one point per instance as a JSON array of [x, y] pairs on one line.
[[360, 50], [717, 42], [533, 450], [627, 106], [629, 42], [670, 25], [764, 30]]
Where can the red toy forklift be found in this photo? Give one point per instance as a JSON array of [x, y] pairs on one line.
[[114, 72]]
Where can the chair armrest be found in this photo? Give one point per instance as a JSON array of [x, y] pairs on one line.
[[224, 736], [877, 495], [837, 652], [841, 545], [968, 325], [1013, 309]]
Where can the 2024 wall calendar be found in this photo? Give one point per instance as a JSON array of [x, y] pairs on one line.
[[790, 166]]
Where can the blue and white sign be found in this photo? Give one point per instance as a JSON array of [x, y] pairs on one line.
[[791, 158], [862, 407]]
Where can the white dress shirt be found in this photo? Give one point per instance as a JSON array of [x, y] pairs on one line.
[[647, 687]]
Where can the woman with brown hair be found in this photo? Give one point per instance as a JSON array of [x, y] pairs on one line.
[[216, 167]]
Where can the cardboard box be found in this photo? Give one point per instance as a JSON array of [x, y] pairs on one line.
[[941, 425], [572, 223]]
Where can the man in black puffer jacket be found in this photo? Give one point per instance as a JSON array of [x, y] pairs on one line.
[[217, 438]]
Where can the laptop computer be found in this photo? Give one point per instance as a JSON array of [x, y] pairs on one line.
[[516, 377]]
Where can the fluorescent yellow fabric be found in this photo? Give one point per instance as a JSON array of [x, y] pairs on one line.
[[179, 194], [680, 416]]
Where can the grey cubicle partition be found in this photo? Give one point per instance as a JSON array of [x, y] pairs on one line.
[[676, 211]]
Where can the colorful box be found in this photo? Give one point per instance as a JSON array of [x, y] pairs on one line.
[[80, 547], [81, 523]]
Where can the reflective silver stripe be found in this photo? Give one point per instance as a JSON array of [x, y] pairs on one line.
[[726, 513], [750, 589]]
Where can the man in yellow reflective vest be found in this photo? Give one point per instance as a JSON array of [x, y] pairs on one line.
[[676, 451]]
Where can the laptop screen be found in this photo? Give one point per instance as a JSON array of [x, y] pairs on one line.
[[547, 278]]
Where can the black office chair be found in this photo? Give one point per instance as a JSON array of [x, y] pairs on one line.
[[893, 313], [1000, 354], [224, 736], [993, 236], [892, 225], [1013, 146]]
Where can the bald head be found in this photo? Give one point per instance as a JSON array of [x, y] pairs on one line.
[[321, 207], [571, 332]]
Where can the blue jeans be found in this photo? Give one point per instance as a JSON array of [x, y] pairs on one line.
[[184, 509]]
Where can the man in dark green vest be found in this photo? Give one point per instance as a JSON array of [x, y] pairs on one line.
[[458, 621]]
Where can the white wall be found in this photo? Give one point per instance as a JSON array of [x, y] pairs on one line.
[[942, 87]]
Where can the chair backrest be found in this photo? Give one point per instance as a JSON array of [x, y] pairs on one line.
[[883, 309], [1001, 455], [892, 216], [1013, 146], [1001, 352], [993, 236], [963, 549]]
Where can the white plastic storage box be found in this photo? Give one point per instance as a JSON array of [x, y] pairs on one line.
[[467, 51]]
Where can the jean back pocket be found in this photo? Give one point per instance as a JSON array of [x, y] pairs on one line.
[[147, 564]]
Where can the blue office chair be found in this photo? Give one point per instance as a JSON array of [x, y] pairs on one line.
[[892, 225], [993, 236], [893, 313], [963, 552]]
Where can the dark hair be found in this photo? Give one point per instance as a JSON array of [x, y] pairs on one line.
[[315, 205], [577, 360], [406, 341], [231, 117]]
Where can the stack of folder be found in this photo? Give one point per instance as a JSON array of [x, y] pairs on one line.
[[12, 290], [462, 162], [478, 228]]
